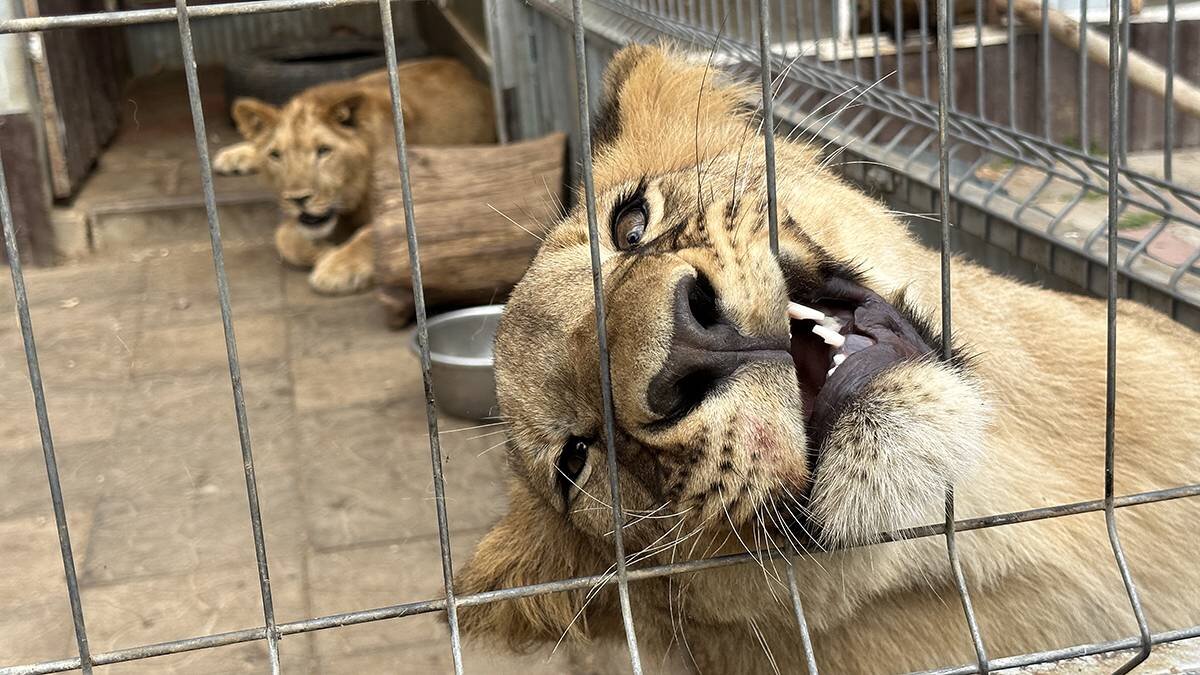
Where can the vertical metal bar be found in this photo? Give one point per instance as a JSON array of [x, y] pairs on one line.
[[923, 21], [836, 29], [875, 39], [39, 404], [950, 57], [752, 23], [800, 31], [979, 101], [589, 190], [1044, 52], [491, 15], [854, 38], [810, 658], [414, 260], [816, 31], [1124, 145], [1116, 57], [944, 94], [1011, 21], [900, 45], [231, 353], [768, 112], [783, 29], [1169, 94], [1084, 141]]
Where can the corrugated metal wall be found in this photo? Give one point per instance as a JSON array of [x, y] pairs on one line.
[[155, 47]]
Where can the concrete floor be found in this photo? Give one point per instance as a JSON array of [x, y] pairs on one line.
[[140, 406], [145, 188]]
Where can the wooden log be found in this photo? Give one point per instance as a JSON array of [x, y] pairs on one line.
[[480, 212], [1142, 71]]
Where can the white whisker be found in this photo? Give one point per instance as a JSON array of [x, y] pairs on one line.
[[472, 428], [518, 225]]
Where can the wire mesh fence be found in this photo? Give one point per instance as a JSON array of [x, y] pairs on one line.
[[928, 120]]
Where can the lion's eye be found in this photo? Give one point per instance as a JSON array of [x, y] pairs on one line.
[[274, 155], [323, 150], [629, 225], [572, 468]]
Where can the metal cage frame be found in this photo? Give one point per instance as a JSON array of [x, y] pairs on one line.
[[750, 46]]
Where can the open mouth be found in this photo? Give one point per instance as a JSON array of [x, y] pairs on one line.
[[315, 220], [843, 336]]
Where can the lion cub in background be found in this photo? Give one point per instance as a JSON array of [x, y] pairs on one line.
[[317, 152]]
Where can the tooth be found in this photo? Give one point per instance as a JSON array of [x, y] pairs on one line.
[[831, 323], [838, 359], [831, 337], [830, 373], [800, 312]]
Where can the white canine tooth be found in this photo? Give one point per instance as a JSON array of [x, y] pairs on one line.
[[830, 373], [838, 359], [801, 313], [831, 337], [831, 323]]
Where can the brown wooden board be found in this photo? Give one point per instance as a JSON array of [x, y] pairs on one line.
[[26, 189], [464, 198], [79, 75]]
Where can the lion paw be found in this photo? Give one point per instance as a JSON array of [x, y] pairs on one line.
[[236, 160], [296, 249], [342, 271]]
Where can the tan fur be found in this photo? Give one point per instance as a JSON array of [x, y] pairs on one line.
[[442, 105], [1021, 427]]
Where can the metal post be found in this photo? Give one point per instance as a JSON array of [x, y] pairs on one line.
[[945, 49], [231, 353], [491, 15], [418, 290], [39, 404], [1116, 56], [768, 127], [585, 143], [1169, 94]]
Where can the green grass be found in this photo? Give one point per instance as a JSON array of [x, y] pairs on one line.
[[1094, 148], [1133, 221]]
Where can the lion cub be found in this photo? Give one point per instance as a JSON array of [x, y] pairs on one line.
[[743, 422], [317, 152]]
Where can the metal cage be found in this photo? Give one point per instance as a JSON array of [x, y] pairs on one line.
[[936, 144]]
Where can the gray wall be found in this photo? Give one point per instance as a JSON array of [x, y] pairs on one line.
[[14, 69], [154, 47]]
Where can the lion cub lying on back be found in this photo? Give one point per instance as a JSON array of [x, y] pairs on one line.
[[742, 423], [317, 151]]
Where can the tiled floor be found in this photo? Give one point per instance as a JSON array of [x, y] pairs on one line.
[[142, 415]]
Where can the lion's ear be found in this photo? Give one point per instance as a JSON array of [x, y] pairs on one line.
[[344, 110], [607, 125], [532, 544], [254, 118], [644, 85]]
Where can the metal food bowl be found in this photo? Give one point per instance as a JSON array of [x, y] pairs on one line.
[[460, 353]]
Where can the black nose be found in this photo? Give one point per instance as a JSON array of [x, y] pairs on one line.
[[299, 201], [706, 349]]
